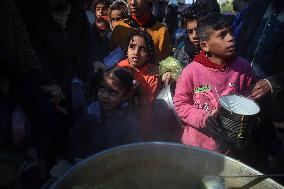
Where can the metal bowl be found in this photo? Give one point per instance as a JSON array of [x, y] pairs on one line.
[[165, 96], [159, 165]]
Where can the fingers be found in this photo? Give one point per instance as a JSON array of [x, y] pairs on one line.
[[256, 94], [61, 110], [166, 78], [261, 88]]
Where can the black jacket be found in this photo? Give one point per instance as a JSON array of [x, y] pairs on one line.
[[272, 60]]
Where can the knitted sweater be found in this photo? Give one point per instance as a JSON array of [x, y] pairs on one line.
[[156, 30], [197, 92]]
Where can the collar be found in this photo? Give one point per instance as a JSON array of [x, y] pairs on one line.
[[143, 20], [202, 59]]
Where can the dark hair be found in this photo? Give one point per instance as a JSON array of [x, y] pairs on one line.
[[210, 23], [123, 75], [119, 5], [196, 11], [103, 2], [213, 5], [148, 40]]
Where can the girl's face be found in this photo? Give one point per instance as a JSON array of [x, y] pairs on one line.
[[220, 45], [111, 95], [115, 16], [137, 52], [191, 30]]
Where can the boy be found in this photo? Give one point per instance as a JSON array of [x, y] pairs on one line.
[[216, 71], [100, 7]]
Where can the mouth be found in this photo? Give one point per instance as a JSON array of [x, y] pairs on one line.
[[195, 42], [231, 48], [135, 59], [104, 103]]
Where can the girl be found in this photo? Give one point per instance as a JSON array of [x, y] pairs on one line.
[[118, 10], [109, 121], [216, 71], [140, 57]]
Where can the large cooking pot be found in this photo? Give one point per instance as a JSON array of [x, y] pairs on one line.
[[158, 165]]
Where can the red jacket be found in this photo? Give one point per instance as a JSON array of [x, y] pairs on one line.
[[148, 78]]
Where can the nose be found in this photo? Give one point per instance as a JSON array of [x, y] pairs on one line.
[[136, 51], [104, 94], [230, 37], [194, 34]]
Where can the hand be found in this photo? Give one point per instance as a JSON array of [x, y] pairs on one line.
[[212, 125], [261, 88], [53, 90], [279, 125], [57, 96], [167, 78], [56, 101], [97, 66], [32, 155]]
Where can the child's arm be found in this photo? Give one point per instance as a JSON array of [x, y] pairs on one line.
[[184, 104]]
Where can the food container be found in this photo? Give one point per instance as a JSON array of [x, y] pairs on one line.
[[237, 118], [156, 165]]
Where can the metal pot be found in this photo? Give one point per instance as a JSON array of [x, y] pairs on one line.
[[166, 96], [237, 118], [159, 165]]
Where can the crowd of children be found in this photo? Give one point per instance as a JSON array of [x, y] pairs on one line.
[[119, 55]]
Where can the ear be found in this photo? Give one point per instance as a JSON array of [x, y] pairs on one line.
[[204, 46]]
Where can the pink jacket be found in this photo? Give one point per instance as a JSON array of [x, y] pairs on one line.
[[195, 96]]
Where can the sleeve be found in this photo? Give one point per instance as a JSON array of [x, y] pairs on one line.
[[184, 104], [164, 45]]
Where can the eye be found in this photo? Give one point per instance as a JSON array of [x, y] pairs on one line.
[[190, 31], [102, 89], [131, 46], [143, 49], [223, 34], [113, 93]]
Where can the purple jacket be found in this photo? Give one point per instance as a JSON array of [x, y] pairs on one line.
[[197, 93]]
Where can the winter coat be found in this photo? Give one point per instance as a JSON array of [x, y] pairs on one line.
[[148, 79], [91, 135]]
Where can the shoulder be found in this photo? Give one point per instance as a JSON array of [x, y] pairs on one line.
[[241, 64], [190, 70], [123, 63], [158, 27]]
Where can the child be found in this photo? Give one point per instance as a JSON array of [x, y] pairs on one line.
[[100, 7], [140, 57], [118, 10], [189, 46], [216, 71], [102, 26], [109, 121]]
